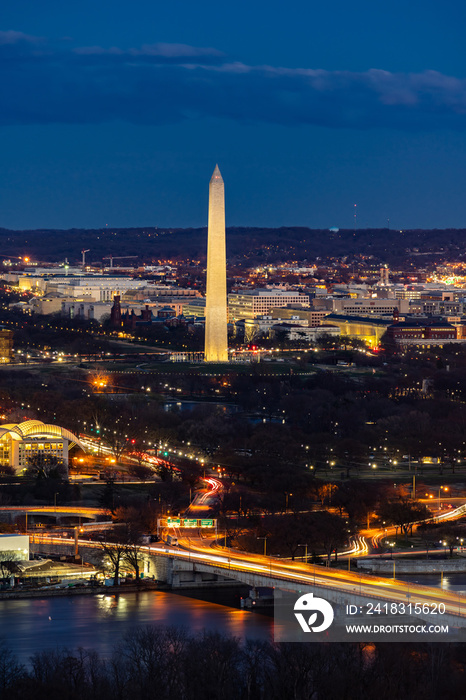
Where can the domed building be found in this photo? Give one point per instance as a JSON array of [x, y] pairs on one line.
[[23, 441]]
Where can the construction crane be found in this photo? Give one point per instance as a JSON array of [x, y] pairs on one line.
[[84, 257], [119, 257]]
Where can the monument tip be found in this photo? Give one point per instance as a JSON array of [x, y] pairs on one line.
[[216, 175]]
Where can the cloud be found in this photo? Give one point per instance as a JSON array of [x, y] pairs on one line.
[[166, 83], [175, 51], [11, 37]]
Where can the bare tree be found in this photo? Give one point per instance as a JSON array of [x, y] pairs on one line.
[[47, 467], [114, 552], [8, 563], [403, 512], [11, 672], [133, 538]]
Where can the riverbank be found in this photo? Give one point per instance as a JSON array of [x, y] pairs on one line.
[[413, 566], [142, 587]]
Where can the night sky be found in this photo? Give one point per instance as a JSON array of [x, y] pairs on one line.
[[117, 112]]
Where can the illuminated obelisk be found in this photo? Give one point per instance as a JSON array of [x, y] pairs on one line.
[[216, 336]]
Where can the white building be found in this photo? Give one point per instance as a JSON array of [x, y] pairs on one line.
[[252, 328], [257, 302], [370, 307], [16, 545], [98, 288], [23, 441]]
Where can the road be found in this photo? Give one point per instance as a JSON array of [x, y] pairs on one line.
[[204, 500], [291, 573], [377, 535], [84, 512]]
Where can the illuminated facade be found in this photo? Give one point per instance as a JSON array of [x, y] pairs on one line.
[[17, 546], [216, 331], [254, 302], [370, 307], [422, 334], [6, 345], [370, 330], [23, 441]]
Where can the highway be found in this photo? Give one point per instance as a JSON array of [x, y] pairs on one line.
[[291, 574]]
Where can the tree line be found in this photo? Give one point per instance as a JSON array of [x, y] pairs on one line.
[[154, 663]]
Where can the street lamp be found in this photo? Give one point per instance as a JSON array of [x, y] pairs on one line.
[[392, 544], [265, 544], [287, 494], [445, 488], [305, 555]]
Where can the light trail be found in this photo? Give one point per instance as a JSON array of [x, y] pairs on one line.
[[374, 587], [72, 510], [442, 517], [201, 500]]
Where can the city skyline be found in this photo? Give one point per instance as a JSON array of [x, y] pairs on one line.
[[117, 121], [200, 464]]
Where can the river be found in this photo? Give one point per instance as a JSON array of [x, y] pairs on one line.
[[100, 621], [449, 582]]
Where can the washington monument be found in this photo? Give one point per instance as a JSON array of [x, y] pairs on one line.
[[216, 336]]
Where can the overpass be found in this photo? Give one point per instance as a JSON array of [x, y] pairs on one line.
[[56, 512]]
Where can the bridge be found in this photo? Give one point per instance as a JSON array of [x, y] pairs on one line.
[[57, 512], [202, 566]]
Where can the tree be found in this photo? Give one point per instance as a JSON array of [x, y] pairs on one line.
[[429, 536], [114, 553], [359, 498], [133, 539], [403, 512], [450, 535], [141, 516], [8, 564], [133, 557], [10, 670], [47, 467], [107, 497], [331, 532], [288, 532], [117, 440], [388, 344], [326, 491], [6, 470], [141, 472]]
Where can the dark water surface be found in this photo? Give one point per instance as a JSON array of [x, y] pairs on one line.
[[450, 582], [100, 621]]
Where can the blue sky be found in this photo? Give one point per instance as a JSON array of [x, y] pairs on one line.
[[116, 113]]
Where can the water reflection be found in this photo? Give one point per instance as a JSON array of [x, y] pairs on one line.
[[101, 621]]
